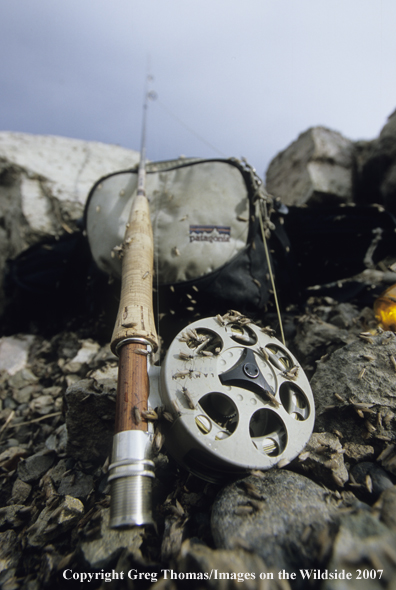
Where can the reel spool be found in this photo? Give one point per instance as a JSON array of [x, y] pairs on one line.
[[239, 399]]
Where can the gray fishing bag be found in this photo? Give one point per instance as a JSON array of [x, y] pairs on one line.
[[207, 245]]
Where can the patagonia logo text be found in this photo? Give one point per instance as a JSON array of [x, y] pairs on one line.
[[209, 233]]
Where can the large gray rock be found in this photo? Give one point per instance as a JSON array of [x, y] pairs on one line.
[[316, 168], [364, 551], [377, 168], [283, 517], [44, 183], [34, 467], [355, 390]]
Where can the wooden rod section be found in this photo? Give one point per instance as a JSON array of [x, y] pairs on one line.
[[132, 388]]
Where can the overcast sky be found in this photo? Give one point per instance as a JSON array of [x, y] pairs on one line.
[[233, 77]]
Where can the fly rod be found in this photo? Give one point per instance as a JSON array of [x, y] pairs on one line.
[[134, 337]]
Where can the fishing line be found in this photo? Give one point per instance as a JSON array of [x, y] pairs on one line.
[[272, 279], [192, 131], [151, 95]]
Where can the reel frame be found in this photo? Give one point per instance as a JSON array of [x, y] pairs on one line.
[[239, 399]]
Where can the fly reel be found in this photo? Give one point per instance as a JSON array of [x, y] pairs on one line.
[[238, 397]]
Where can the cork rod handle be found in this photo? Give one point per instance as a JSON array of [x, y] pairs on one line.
[[135, 318]]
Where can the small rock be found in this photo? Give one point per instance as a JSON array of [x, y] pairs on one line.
[[10, 458], [14, 351], [174, 532], [106, 376], [10, 550], [355, 452], [388, 458], [72, 379], [87, 352], [57, 441], [77, 484], [24, 395], [53, 522], [34, 467], [284, 509], [387, 505], [372, 478], [9, 581], [12, 516], [20, 491], [72, 367], [10, 403], [323, 459], [105, 354], [101, 551], [55, 391], [44, 404], [22, 378], [89, 348], [56, 473], [58, 405], [12, 442], [343, 315], [71, 510]]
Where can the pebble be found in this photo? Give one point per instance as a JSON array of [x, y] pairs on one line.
[[57, 471], [20, 491], [343, 315], [102, 550], [35, 466], [106, 375], [10, 550], [10, 403], [14, 352], [379, 479], [86, 353], [105, 354], [286, 507], [57, 441], [387, 503], [89, 348], [44, 404], [54, 521], [77, 484], [10, 458], [54, 391], [24, 395], [12, 516], [22, 378], [355, 452], [323, 459]]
